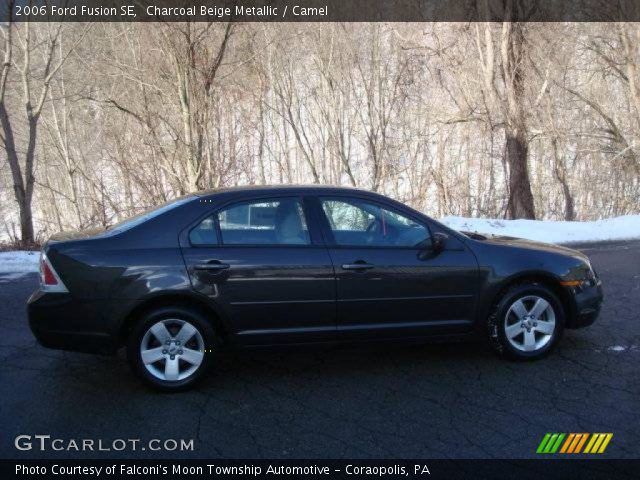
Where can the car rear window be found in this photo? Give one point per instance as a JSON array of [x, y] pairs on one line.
[[146, 215]]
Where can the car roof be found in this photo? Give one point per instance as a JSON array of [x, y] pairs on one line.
[[279, 188]]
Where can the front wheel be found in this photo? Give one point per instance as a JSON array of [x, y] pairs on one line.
[[171, 348], [527, 322]]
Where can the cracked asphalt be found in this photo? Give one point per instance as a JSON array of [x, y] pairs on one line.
[[434, 401]]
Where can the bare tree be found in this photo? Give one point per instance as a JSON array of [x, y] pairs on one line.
[[512, 102], [485, 119], [35, 83]]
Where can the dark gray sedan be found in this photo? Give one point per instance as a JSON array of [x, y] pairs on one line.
[[266, 266]]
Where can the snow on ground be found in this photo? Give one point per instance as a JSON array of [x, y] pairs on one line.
[[19, 262], [618, 228]]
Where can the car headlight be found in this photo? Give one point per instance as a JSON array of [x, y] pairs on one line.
[[586, 277]]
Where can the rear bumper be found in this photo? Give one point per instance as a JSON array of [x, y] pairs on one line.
[[59, 322], [588, 303]]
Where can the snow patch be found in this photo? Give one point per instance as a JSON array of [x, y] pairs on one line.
[[619, 228], [19, 262]]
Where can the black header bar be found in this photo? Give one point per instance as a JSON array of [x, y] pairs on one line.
[[534, 469], [320, 10]]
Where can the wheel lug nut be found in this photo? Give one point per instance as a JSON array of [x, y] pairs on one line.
[[535, 324], [164, 352], [179, 352]]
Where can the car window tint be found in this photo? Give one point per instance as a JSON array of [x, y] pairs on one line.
[[260, 222], [359, 223]]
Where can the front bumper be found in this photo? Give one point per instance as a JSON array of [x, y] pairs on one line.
[[588, 302], [60, 322]]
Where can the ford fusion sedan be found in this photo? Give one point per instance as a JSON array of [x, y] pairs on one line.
[[290, 265]]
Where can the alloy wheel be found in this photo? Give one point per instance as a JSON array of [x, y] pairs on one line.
[[172, 350], [530, 323]]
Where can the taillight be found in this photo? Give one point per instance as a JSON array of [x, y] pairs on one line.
[[47, 275], [49, 279]]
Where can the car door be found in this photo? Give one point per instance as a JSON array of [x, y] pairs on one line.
[[390, 280], [264, 265]]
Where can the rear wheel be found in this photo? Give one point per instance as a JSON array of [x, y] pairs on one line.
[[171, 348], [527, 322]]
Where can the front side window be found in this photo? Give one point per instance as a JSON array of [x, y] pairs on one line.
[[356, 222], [264, 222]]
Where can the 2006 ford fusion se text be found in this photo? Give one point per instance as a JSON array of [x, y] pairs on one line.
[[289, 265]]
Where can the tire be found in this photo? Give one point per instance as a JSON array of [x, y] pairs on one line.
[[170, 364], [527, 322]]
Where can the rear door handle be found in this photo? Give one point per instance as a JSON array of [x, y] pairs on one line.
[[357, 266], [212, 266]]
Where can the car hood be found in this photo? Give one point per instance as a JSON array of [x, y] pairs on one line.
[[531, 245]]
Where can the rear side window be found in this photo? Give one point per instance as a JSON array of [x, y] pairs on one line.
[[278, 221]]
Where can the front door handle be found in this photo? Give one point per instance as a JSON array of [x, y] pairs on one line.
[[212, 266], [357, 266]]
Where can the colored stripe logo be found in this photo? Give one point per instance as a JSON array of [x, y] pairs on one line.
[[573, 443]]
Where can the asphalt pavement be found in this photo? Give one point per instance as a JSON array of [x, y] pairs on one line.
[[434, 401]]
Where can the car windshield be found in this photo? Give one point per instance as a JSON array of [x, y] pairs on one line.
[[148, 214]]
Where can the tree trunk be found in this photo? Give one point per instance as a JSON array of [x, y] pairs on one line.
[[520, 196], [516, 149], [26, 222], [569, 205], [22, 193], [560, 172]]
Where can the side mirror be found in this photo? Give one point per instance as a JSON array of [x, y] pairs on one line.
[[439, 242], [435, 245]]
